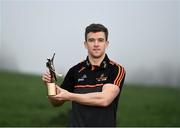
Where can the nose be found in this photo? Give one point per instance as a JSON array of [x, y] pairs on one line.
[[96, 43]]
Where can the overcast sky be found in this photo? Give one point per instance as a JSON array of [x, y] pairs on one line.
[[143, 34]]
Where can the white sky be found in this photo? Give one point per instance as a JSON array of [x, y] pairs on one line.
[[144, 35]]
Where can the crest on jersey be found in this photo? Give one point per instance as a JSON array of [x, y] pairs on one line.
[[102, 78]]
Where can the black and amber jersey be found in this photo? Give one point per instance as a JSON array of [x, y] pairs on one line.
[[86, 78]]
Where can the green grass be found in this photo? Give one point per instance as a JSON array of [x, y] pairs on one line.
[[23, 102], [149, 106]]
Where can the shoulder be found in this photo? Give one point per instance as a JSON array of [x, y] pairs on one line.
[[118, 73], [77, 66], [116, 66]]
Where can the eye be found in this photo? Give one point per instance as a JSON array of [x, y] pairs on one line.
[[101, 39], [91, 40]]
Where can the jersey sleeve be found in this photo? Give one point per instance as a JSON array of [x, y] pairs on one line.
[[117, 76], [68, 83]]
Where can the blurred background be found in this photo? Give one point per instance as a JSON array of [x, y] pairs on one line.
[[144, 38]]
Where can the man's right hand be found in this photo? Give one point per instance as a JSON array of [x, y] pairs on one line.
[[46, 77]]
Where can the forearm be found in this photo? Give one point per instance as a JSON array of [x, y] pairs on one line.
[[103, 99], [92, 99]]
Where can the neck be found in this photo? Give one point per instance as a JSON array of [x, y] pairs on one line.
[[96, 61]]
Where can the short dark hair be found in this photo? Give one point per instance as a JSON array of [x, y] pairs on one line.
[[96, 28]]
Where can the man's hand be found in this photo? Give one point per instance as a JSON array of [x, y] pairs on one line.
[[46, 77], [57, 100], [64, 95]]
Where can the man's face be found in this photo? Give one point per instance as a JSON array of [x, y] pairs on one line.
[[96, 44]]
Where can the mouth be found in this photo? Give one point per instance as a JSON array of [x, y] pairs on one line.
[[96, 50]]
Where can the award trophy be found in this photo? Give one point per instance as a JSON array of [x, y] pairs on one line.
[[51, 86]]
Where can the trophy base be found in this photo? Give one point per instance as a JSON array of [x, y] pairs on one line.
[[51, 89]]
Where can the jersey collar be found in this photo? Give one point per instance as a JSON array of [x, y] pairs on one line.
[[103, 64]]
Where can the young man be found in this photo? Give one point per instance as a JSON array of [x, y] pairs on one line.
[[93, 85]]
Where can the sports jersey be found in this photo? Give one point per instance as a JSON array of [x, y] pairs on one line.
[[86, 78]]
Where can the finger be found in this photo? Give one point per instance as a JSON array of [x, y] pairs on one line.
[[58, 87], [48, 73], [51, 98], [56, 97], [46, 77]]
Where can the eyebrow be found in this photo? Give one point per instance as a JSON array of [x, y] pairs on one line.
[[97, 38]]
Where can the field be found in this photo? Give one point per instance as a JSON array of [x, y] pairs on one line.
[[23, 102]]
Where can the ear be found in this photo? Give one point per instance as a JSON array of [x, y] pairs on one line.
[[85, 44], [107, 44]]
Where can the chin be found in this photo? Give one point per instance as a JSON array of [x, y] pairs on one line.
[[97, 55]]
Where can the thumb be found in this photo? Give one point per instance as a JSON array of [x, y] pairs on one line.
[[57, 86], [58, 89]]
